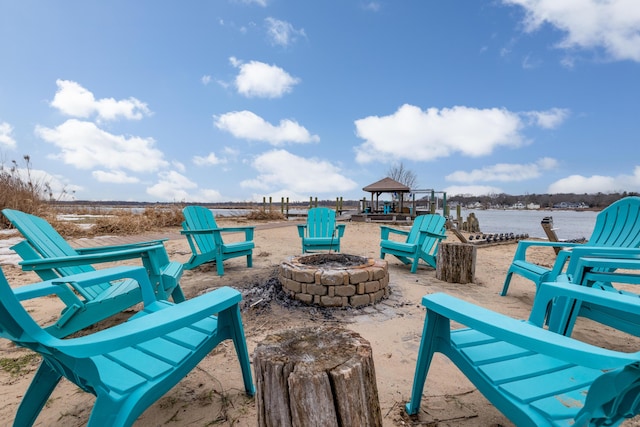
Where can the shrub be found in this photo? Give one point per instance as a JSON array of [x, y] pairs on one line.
[[19, 190]]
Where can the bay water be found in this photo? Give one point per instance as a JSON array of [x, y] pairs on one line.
[[568, 224]]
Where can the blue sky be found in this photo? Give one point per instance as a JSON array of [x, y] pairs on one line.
[[236, 100]]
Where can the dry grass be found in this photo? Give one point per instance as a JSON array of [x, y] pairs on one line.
[[121, 222], [19, 190], [260, 215]]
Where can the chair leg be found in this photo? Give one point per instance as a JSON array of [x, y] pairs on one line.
[[43, 384], [219, 266], [249, 261], [114, 413], [563, 314], [507, 281], [414, 264], [427, 347], [177, 295], [232, 317]]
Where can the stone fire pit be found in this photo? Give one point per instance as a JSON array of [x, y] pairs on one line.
[[335, 280]]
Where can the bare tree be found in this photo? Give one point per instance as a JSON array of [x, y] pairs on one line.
[[404, 176]]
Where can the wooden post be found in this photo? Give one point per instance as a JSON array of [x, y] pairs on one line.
[[316, 377], [456, 262], [547, 226]]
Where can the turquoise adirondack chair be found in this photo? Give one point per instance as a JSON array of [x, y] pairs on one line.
[[128, 366], [206, 242], [535, 377], [604, 270], [321, 233], [617, 226], [51, 257], [421, 241]]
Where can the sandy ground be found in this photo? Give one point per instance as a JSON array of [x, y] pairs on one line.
[[213, 394]]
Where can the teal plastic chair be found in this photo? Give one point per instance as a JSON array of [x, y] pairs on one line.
[[128, 366], [321, 233], [49, 255], [206, 240], [606, 271], [535, 377], [421, 242], [617, 226]]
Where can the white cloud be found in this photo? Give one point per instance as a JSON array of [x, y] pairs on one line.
[[262, 3], [612, 25], [205, 80], [209, 160], [6, 138], [373, 6], [76, 101], [86, 146], [172, 186], [472, 190], [114, 177], [209, 195], [505, 172], [179, 166], [247, 125], [549, 119], [411, 133], [597, 183], [257, 79], [301, 175], [61, 188], [282, 32]]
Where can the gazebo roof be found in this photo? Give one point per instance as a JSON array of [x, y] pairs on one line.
[[387, 185]]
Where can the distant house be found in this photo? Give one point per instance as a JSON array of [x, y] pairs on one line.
[[533, 206], [570, 205]]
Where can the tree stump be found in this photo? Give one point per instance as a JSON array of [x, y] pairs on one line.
[[456, 262], [316, 377]]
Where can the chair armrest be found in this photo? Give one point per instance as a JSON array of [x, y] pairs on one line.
[[302, 230], [549, 291], [248, 231], [523, 245], [43, 289], [201, 231], [169, 318], [58, 286], [524, 334], [74, 260], [111, 248], [436, 235], [606, 267], [385, 231], [570, 256], [341, 228]]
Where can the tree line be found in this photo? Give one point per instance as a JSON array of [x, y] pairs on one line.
[[592, 201]]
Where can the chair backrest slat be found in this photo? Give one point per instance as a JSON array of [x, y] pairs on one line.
[[201, 218], [321, 222], [45, 239]]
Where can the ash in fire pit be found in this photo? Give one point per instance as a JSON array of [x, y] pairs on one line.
[[335, 280], [332, 260]]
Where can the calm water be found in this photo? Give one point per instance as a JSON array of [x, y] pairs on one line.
[[568, 224]]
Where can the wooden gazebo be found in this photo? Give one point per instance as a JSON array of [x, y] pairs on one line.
[[386, 185]]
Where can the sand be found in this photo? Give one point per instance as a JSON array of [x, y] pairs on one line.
[[212, 394]]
